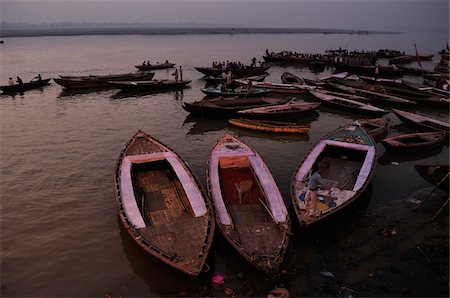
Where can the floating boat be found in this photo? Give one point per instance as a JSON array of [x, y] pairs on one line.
[[414, 142], [84, 82], [155, 66], [378, 96], [349, 155], [241, 72], [422, 122], [290, 78], [150, 85], [234, 92], [17, 88], [217, 80], [229, 106], [284, 111], [270, 126], [275, 87], [162, 204], [376, 127], [348, 104], [437, 175], [250, 211]]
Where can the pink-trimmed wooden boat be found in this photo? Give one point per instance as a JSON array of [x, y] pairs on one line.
[[414, 142], [250, 211], [350, 155], [376, 127], [162, 204], [422, 122]]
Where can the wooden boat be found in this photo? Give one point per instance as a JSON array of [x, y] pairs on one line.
[[290, 78], [405, 59], [162, 204], [270, 126], [276, 87], [220, 79], [229, 106], [284, 111], [84, 82], [437, 175], [378, 96], [376, 127], [17, 88], [234, 92], [242, 72], [150, 85], [136, 76], [250, 211], [414, 142], [422, 122], [345, 95], [155, 66], [349, 155], [348, 104], [384, 71]]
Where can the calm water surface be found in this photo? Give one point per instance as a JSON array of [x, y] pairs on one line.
[[60, 233]]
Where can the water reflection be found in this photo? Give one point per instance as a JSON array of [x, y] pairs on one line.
[[162, 279], [201, 125], [388, 157]]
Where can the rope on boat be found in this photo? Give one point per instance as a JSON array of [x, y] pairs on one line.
[[207, 268]]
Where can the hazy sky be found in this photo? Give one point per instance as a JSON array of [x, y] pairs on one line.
[[339, 14]]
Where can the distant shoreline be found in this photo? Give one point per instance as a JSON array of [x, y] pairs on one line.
[[52, 31]]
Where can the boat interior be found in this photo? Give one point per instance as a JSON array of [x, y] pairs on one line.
[[342, 166], [170, 221], [255, 230]]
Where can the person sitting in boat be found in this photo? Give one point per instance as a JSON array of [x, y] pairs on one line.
[[315, 183], [143, 63], [148, 63], [38, 77], [249, 87], [19, 81], [10, 82], [167, 62]]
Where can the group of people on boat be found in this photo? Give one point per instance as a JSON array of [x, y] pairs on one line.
[[20, 82], [233, 65], [147, 63], [178, 74]]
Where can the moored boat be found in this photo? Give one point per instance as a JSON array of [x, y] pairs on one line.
[[348, 157], [276, 87], [162, 204], [156, 66], [229, 106], [270, 126], [150, 85], [250, 211], [376, 127], [236, 72], [347, 104], [290, 78], [422, 122], [84, 82], [16, 88], [234, 92], [284, 111], [414, 142]]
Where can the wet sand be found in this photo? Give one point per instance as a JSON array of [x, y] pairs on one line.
[[391, 250]]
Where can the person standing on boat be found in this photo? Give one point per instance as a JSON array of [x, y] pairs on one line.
[[175, 74], [377, 70], [19, 81], [254, 61], [10, 82], [181, 73], [315, 183]]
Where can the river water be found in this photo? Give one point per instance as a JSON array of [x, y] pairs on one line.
[[60, 233]]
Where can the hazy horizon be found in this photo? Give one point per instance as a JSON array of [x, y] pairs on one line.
[[396, 15]]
